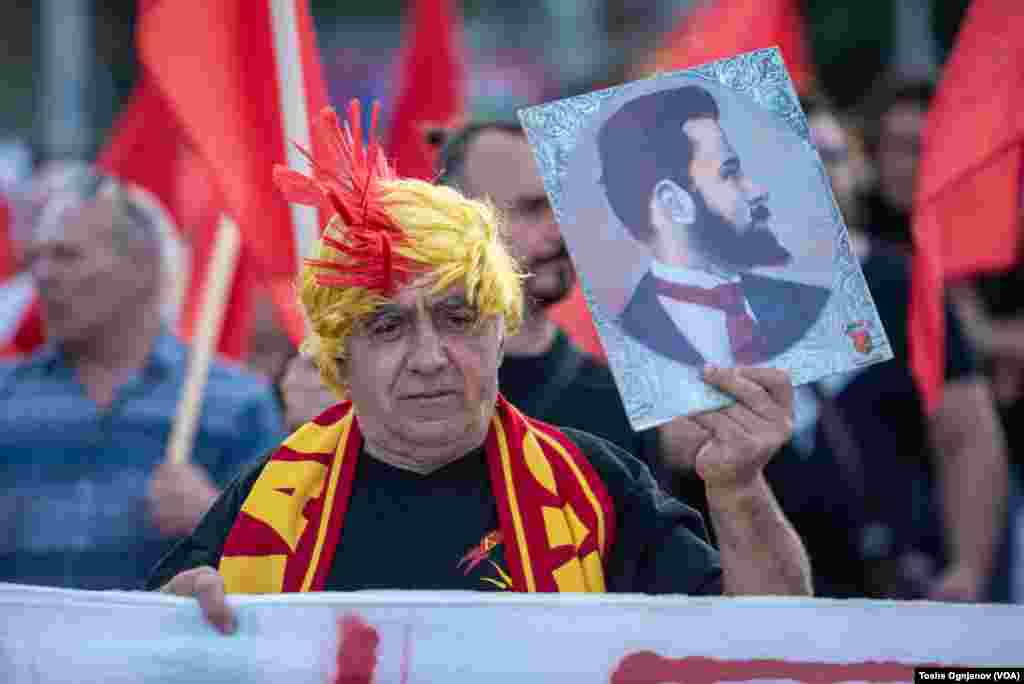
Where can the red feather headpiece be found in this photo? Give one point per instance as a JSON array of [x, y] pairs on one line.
[[346, 179]]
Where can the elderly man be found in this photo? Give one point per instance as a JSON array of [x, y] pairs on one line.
[[410, 300], [86, 499]]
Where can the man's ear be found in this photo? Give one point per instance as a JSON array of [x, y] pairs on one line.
[[675, 201]]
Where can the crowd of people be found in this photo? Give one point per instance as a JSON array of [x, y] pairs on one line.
[[419, 373]]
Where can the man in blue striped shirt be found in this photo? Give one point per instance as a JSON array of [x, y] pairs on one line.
[[86, 499]]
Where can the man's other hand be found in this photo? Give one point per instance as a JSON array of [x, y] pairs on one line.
[[179, 496], [207, 586]]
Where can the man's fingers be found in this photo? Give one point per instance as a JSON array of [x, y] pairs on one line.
[[752, 423], [777, 383], [721, 426], [207, 586], [682, 431], [212, 601], [183, 584], [767, 391]]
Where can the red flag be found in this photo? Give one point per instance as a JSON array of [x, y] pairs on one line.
[[572, 316], [21, 325], [22, 329], [201, 209], [716, 29], [432, 82], [967, 201], [243, 88], [148, 148], [144, 147], [8, 266]]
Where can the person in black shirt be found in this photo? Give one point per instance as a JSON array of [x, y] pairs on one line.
[[894, 115], [410, 301]]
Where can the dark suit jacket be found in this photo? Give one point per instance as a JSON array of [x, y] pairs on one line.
[[784, 312]]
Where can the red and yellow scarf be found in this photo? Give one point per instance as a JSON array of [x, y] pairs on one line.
[[556, 517]]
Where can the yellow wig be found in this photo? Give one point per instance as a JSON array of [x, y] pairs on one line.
[[444, 235]]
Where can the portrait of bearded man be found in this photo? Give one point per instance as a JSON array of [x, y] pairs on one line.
[[675, 181]]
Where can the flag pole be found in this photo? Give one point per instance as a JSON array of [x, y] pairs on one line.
[[291, 93], [293, 103], [219, 276]]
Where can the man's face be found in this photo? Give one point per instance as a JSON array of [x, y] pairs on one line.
[[423, 371], [899, 150], [84, 283], [733, 220], [501, 166], [830, 139]]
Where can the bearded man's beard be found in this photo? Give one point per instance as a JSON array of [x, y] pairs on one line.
[[557, 266], [719, 241]]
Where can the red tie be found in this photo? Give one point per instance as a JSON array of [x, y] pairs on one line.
[[727, 298]]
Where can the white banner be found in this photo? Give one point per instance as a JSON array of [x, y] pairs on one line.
[[56, 636]]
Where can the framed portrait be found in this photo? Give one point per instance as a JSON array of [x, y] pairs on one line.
[[703, 229]]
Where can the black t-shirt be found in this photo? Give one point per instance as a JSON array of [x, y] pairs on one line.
[[567, 387], [886, 223], [409, 531]]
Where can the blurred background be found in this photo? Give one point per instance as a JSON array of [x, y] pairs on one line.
[[68, 65]]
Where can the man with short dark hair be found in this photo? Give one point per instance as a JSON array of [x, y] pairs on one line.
[[544, 374], [85, 495], [894, 115], [674, 179]]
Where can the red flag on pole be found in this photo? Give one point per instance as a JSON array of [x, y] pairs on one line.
[[243, 89], [967, 201], [432, 84], [148, 148], [201, 207], [716, 29]]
